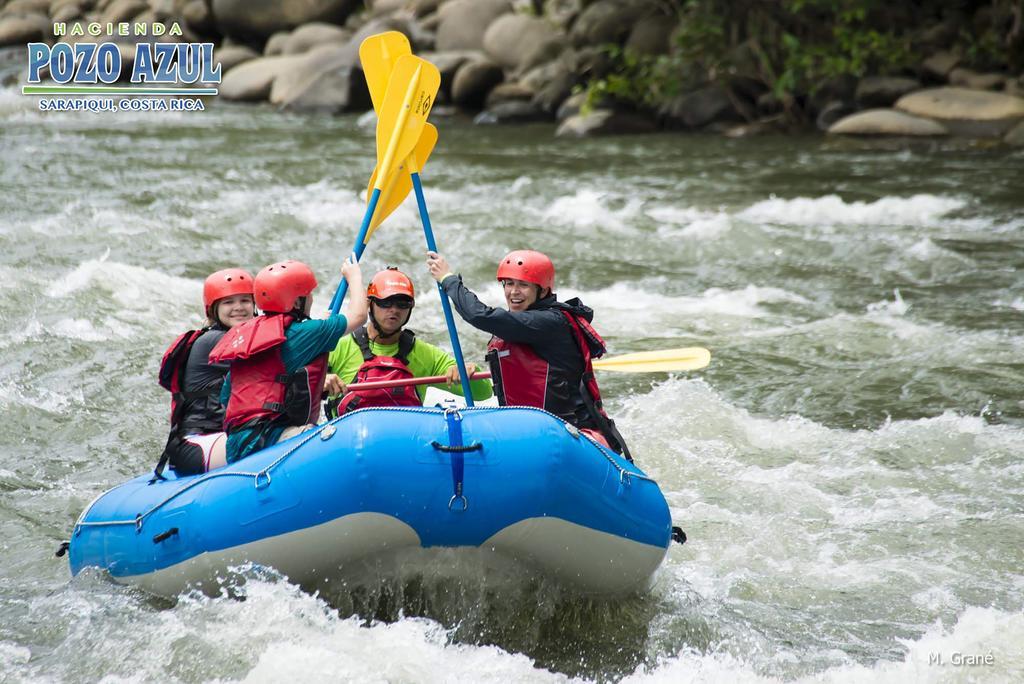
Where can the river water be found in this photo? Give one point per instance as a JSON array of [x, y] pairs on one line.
[[848, 469]]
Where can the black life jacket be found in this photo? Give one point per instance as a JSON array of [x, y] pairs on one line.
[[189, 410]]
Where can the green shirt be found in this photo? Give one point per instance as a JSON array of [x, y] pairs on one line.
[[424, 360]]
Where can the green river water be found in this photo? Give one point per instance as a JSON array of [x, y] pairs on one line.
[[848, 469]]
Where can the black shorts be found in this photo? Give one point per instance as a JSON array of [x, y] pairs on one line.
[[185, 457]]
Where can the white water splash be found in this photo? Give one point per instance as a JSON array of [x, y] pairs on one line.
[[591, 208], [897, 307], [917, 210]]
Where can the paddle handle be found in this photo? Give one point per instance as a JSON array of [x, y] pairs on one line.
[[453, 334], [358, 248], [431, 380]]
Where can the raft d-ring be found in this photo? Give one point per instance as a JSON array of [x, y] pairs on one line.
[[327, 432], [458, 497], [572, 430], [624, 477], [138, 523], [257, 480]]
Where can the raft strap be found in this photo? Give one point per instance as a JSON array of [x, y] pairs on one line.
[[456, 448]]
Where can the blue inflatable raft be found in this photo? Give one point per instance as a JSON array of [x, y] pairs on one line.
[[518, 482]]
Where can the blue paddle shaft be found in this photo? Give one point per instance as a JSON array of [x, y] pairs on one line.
[[339, 294], [453, 334]]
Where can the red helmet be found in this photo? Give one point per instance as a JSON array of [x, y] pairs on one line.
[[528, 265], [390, 282], [278, 285], [226, 283]]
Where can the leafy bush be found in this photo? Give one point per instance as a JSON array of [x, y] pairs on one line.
[[792, 46]]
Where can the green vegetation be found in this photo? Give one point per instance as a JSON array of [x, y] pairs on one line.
[[793, 47]]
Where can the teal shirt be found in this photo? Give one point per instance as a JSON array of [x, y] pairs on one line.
[[304, 342]]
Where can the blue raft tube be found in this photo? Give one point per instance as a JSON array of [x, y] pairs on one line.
[[515, 481]]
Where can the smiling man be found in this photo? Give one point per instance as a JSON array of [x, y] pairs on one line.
[[385, 350], [541, 350]]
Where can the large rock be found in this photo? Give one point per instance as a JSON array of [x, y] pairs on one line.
[[67, 12], [975, 81], [701, 107], [421, 8], [508, 92], [882, 91], [939, 65], [473, 81], [1016, 136], [571, 106], [542, 54], [829, 90], [252, 80], [308, 36], [27, 6], [378, 7], [552, 83], [511, 112], [232, 55], [23, 28], [966, 112], [886, 122], [562, 12], [324, 80], [464, 22], [589, 62], [122, 10], [261, 18], [605, 122], [448, 64], [511, 37], [198, 16], [651, 35], [831, 113], [275, 44], [609, 21]]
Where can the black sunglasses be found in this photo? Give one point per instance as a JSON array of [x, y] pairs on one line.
[[401, 303]]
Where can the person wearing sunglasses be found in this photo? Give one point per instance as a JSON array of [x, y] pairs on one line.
[[542, 349], [385, 350]]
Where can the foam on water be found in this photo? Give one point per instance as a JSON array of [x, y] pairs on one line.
[[593, 208], [126, 284], [977, 632], [624, 306], [917, 210]]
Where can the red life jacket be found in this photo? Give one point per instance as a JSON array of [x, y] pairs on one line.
[[382, 368], [529, 380], [261, 388], [523, 378]]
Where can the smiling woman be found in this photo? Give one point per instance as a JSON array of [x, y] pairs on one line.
[[542, 349], [196, 441]]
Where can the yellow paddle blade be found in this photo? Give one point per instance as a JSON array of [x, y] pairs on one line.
[[407, 102], [399, 185], [378, 54], [663, 360]]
